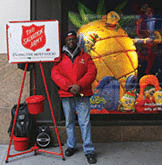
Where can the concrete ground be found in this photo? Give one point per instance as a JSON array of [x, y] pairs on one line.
[[114, 153]]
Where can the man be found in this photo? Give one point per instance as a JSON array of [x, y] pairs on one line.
[[74, 74]]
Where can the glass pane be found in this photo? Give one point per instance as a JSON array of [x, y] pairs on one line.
[[123, 38]]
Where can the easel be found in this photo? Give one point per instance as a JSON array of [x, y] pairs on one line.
[[35, 148]]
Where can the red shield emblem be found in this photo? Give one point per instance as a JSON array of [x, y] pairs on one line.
[[33, 37]]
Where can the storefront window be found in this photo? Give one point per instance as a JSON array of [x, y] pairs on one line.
[[124, 41]]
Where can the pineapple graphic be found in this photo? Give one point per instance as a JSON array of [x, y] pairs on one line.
[[111, 49]]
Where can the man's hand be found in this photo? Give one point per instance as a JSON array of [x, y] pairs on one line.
[[74, 89]]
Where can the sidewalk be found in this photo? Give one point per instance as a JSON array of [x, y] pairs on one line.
[[120, 153]]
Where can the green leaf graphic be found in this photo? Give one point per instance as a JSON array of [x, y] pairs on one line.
[[86, 10], [121, 6], [75, 20], [101, 8], [83, 16]]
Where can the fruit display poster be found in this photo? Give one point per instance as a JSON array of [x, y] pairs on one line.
[[33, 41]]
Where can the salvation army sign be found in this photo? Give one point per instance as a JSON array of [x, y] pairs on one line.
[[33, 41], [33, 37]]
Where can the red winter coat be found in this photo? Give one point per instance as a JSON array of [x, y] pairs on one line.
[[81, 71]]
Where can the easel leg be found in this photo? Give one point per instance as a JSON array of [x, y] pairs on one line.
[[16, 114], [50, 105], [35, 116]]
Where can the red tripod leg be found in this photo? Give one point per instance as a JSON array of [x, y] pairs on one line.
[[16, 114], [35, 148], [53, 117]]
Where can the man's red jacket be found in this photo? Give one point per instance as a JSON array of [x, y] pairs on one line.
[[81, 71]]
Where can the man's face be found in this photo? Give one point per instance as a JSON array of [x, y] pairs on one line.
[[71, 42]]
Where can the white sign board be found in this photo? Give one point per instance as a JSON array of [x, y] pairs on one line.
[[33, 41]]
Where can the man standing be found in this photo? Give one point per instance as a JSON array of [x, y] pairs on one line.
[[74, 74]]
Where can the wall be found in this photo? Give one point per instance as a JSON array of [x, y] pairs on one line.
[[105, 134], [10, 83], [10, 76], [12, 10]]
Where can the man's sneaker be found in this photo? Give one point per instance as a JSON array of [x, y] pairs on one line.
[[70, 151], [91, 157]]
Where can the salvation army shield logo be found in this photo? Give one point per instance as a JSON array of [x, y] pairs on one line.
[[33, 37]]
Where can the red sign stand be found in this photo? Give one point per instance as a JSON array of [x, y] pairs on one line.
[[35, 148]]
